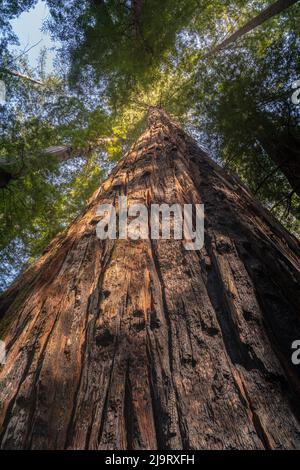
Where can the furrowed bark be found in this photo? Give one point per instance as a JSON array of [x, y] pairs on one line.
[[123, 344]]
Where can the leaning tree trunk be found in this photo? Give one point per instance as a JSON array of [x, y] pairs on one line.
[[284, 150], [272, 10], [123, 344]]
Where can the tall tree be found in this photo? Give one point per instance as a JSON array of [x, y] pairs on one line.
[[123, 344], [117, 51], [252, 83], [268, 13]]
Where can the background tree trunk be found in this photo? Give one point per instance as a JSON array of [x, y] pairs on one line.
[[268, 13], [61, 153], [124, 344], [284, 150]]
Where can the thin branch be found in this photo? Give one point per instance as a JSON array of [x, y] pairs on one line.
[[286, 196], [24, 52], [289, 204], [266, 179], [274, 9], [24, 77]]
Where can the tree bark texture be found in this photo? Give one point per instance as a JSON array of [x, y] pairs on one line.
[[122, 344]]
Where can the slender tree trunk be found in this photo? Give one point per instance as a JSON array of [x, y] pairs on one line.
[[123, 344], [61, 152], [273, 10], [5, 178], [24, 77], [284, 150]]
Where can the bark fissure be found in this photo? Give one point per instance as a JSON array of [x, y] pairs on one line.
[[123, 344]]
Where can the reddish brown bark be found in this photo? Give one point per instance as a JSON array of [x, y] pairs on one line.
[[141, 344]]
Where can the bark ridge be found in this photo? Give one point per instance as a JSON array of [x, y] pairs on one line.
[[123, 344]]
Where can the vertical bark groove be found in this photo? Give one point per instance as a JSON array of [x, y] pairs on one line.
[[122, 344]]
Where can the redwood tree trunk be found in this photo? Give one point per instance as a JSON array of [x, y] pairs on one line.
[[123, 344]]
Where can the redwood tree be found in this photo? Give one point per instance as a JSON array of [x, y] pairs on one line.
[[122, 344], [272, 10]]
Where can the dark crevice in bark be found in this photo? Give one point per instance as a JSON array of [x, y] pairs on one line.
[[245, 399], [70, 428], [158, 412], [107, 394], [33, 394], [106, 262], [129, 416], [13, 401], [5, 178], [277, 332], [184, 436], [260, 431], [133, 345]]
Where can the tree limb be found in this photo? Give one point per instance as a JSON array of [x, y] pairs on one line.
[[24, 77]]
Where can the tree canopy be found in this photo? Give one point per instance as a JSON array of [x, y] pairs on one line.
[[116, 59]]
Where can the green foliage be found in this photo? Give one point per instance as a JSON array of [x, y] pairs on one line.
[[122, 43], [119, 57], [243, 106], [10, 9]]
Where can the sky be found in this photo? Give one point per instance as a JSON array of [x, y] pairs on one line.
[[28, 28]]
